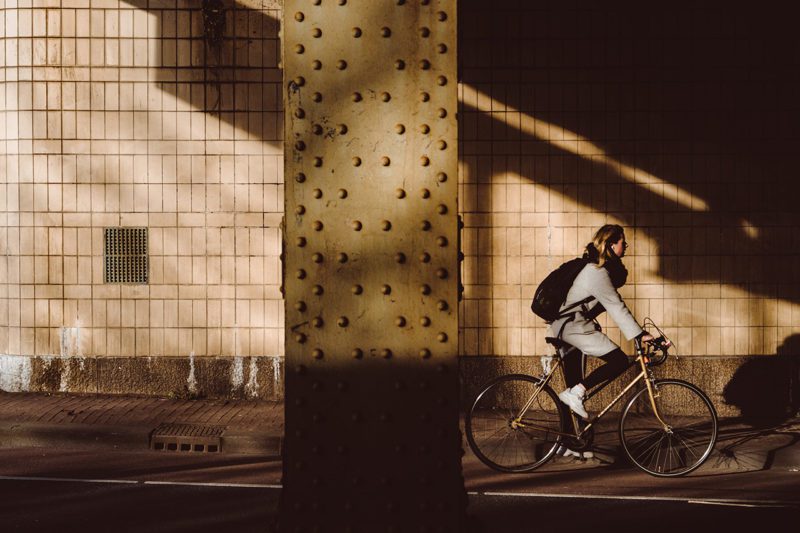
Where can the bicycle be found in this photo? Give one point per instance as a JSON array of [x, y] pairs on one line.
[[668, 428]]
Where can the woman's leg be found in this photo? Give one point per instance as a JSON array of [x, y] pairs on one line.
[[615, 363], [575, 391], [573, 367]]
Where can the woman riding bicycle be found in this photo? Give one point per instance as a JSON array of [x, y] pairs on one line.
[[516, 423], [600, 279]]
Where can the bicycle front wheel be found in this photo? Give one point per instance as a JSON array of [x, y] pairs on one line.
[[684, 443], [503, 436]]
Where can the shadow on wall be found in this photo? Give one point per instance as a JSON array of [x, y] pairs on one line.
[[766, 389], [678, 119], [222, 58]]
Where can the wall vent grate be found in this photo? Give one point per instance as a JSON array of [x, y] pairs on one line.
[[125, 255]]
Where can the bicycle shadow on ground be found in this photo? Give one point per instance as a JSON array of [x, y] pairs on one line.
[[766, 390], [741, 448]]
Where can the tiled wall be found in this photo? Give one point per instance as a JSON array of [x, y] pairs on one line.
[[126, 114], [677, 121]]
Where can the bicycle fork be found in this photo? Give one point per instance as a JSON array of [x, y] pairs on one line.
[[651, 392]]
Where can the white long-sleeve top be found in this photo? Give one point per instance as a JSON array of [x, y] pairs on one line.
[[581, 332]]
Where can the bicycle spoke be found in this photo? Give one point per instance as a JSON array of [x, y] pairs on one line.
[[645, 444], [655, 447], [672, 452], [689, 443], [646, 440], [659, 449], [495, 433], [524, 445], [500, 443], [645, 448], [497, 414], [498, 430], [687, 446], [668, 452], [504, 452], [682, 461]]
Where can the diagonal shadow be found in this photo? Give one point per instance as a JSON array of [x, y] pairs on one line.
[[704, 108], [222, 58]]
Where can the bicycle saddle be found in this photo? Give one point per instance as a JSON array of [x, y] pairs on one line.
[[563, 348]]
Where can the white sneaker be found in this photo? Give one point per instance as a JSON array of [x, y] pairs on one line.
[[575, 402], [563, 451]]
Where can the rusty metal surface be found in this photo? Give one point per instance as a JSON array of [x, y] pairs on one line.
[[371, 266]]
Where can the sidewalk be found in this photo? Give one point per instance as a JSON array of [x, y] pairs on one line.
[[126, 423], [256, 427]]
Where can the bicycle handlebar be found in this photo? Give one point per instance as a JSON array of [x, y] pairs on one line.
[[658, 344]]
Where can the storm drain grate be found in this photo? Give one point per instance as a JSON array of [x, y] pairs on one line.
[[187, 438]]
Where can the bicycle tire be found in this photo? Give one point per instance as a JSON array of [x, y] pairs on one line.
[[503, 447], [692, 432]]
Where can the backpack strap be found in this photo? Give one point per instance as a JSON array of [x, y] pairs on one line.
[[596, 311], [571, 316], [564, 313]]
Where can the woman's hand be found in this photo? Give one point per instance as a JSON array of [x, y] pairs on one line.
[[663, 343]]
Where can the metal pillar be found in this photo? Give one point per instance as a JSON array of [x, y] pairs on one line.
[[371, 267]]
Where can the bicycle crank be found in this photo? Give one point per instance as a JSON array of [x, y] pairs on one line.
[[580, 443]]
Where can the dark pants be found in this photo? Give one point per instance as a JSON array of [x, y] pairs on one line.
[[615, 363]]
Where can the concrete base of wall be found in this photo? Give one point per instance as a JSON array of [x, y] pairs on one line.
[[756, 386], [176, 377]]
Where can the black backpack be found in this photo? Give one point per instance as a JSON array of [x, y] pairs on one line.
[[552, 291]]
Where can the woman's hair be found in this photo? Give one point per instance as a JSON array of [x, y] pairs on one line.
[[603, 239]]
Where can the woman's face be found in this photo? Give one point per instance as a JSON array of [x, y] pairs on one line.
[[620, 246]]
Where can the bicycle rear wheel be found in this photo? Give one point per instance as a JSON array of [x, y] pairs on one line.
[[506, 445], [684, 444]]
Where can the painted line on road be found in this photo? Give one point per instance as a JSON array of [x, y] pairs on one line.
[[709, 501], [739, 504], [68, 479], [201, 484], [139, 482]]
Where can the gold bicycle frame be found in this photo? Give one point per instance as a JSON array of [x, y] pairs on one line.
[[641, 358]]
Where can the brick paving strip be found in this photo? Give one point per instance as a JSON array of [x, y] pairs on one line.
[[125, 422]]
